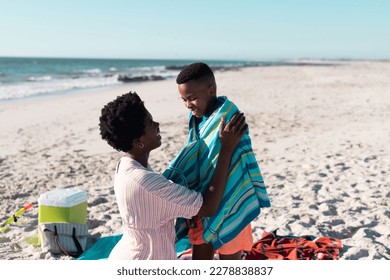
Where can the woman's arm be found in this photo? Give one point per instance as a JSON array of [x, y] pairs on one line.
[[229, 135]]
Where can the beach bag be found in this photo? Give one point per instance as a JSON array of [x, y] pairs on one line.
[[63, 238], [62, 218]]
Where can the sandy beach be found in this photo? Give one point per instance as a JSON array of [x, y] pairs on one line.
[[320, 133]]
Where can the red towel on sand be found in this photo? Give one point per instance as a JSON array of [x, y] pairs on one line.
[[274, 247]]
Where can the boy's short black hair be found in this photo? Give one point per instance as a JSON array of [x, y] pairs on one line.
[[195, 71], [122, 121]]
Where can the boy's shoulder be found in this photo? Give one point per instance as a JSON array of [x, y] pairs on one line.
[[227, 103]]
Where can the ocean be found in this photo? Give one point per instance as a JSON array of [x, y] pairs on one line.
[[23, 77], [29, 77]]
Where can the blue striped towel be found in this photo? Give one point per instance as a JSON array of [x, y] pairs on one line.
[[194, 166]]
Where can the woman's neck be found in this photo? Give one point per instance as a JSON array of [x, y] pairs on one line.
[[142, 158]]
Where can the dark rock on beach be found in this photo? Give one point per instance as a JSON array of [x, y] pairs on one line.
[[127, 79]]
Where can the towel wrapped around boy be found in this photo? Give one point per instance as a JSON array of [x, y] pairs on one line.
[[193, 167]]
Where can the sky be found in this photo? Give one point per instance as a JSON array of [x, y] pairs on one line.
[[202, 29]]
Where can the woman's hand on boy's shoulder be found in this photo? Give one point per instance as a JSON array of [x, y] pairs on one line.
[[230, 134]]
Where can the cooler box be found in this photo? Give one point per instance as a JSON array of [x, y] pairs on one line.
[[63, 206]]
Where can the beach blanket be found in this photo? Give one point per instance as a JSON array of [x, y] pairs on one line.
[[245, 193], [102, 248], [274, 247]]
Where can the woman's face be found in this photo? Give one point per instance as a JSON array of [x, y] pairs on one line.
[[151, 138]]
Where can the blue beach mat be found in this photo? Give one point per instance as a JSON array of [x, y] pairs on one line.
[[103, 247]]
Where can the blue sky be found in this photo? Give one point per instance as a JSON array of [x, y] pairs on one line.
[[245, 29]]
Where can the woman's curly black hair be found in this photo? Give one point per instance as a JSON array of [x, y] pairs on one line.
[[122, 121]]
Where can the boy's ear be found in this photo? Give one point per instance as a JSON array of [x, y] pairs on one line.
[[213, 90]]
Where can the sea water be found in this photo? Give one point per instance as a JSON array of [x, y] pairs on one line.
[[23, 77], [26, 77]]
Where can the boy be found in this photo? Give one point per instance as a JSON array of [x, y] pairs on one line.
[[229, 231]]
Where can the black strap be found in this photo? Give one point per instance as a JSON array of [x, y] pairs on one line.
[[76, 242], [62, 249]]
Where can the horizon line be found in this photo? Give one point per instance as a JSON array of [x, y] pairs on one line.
[[205, 59]]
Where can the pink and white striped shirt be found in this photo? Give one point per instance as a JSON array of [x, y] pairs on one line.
[[148, 204]]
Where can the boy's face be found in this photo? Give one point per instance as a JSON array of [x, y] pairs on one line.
[[198, 96]]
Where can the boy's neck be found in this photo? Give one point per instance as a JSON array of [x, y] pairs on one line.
[[211, 107]]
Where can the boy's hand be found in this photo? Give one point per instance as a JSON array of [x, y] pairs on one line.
[[230, 134]]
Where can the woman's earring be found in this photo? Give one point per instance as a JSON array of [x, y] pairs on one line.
[[142, 145]]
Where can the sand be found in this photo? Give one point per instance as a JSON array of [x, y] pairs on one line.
[[320, 134]]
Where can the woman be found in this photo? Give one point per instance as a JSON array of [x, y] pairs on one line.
[[148, 202]]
